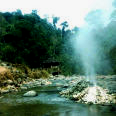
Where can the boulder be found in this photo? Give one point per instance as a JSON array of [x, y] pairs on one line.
[[86, 92], [30, 94]]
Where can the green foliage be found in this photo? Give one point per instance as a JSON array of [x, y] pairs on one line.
[[28, 39]]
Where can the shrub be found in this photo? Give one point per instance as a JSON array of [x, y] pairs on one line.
[[36, 73]]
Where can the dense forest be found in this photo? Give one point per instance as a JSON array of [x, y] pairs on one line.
[[31, 40]]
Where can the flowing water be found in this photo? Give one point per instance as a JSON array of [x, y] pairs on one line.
[[49, 103]]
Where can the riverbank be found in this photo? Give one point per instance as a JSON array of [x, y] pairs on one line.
[[66, 84], [17, 78], [13, 76]]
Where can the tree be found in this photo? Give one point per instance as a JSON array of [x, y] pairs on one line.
[[64, 26], [34, 12], [55, 20]]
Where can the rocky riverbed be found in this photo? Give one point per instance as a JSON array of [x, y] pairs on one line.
[[74, 87], [48, 102]]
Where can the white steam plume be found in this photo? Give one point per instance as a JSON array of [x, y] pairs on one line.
[[87, 45]]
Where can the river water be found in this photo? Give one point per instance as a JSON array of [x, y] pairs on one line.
[[49, 103]]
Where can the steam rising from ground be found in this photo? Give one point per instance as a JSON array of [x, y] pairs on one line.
[[87, 44], [86, 47]]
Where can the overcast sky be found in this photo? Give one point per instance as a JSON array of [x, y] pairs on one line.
[[72, 11]]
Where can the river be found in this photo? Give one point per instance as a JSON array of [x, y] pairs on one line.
[[49, 103]]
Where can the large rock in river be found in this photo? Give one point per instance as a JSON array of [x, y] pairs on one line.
[[30, 94], [87, 93]]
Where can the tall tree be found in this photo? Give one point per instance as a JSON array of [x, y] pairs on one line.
[[55, 20], [64, 26]]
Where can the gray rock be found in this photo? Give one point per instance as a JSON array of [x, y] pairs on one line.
[[23, 88], [9, 81], [10, 87], [30, 94]]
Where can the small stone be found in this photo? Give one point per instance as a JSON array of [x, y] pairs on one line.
[[9, 81], [1, 97], [59, 84], [30, 94], [48, 83], [10, 87], [23, 88]]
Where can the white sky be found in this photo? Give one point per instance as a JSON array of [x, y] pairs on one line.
[[72, 11]]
